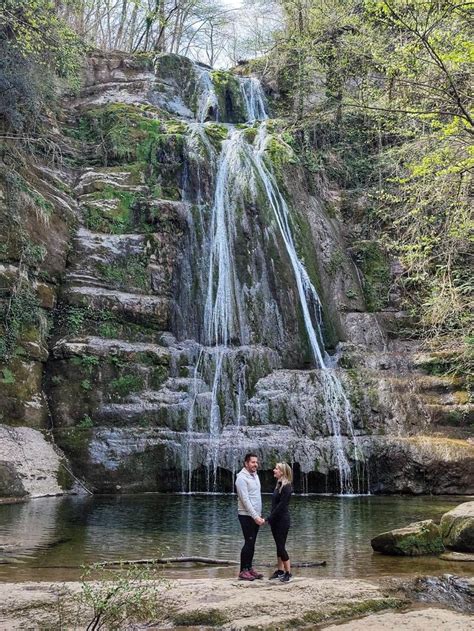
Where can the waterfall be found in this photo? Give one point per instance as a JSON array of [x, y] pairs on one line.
[[207, 103], [224, 314], [336, 403], [241, 167], [254, 99]]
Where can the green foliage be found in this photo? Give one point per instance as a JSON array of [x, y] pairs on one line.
[[108, 330], [350, 610], [37, 48], [22, 314], [113, 219], [125, 384], [336, 262], [229, 96], [125, 133], [121, 597], [85, 423], [380, 91], [132, 271], [87, 362], [374, 264], [74, 319], [8, 378], [216, 134]]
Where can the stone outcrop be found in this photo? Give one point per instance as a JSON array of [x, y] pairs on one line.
[[30, 466], [422, 537], [457, 528]]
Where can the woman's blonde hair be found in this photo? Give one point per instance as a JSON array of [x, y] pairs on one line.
[[287, 477]]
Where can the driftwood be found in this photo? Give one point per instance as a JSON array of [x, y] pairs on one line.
[[170, 560], [203, 560]]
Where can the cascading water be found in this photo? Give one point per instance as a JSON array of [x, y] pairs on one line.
[[208, 104], [337, 406], [240, 167], [254, 99], [224, 313]]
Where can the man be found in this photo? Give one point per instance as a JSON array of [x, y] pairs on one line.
[[247, 485]]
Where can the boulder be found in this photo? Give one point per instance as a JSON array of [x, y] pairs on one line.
[[457, 528], [462, 557], [416, 539]]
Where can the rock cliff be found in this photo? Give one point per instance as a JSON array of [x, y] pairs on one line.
[[155, 329]]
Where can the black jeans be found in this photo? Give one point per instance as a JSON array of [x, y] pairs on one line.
[[280, 533], [250, 532]]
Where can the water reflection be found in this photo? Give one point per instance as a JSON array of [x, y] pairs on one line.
[[50, 538], [24, 528]]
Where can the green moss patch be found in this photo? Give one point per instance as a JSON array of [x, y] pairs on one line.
[[131, 271], [374, 264], [229, 96], [126, 384], [216, 133], [84, 320], [352, 610], [200, 617]]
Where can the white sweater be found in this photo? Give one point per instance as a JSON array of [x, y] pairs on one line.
[[248, 490]]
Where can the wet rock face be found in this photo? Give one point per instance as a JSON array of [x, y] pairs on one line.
[[419, 538], [457, 528]]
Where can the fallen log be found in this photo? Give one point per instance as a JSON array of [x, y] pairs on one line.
[[170, 560], [203, 560]]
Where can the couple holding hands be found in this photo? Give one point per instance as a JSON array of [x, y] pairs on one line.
[[247, 485]]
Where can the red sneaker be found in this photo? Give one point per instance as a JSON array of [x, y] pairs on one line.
[[245, 575], [255, 574]]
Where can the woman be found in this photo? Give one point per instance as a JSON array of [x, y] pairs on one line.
[[279, 519]]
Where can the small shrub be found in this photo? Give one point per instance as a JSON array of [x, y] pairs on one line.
[[85, 423], [125, 384], [8, 377], [120, 598]]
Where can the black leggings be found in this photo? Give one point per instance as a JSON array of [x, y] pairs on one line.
[[250, 532], [280, 533]]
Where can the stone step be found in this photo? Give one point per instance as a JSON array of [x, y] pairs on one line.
[[96, 180], [438, 384], [101, 347], [162, 408], [132, 92], [89, 239], [97, 247], [186, 384], [134, 307], [452, 415], [81, 279]]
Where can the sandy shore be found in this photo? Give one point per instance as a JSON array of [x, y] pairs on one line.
[[230, 604]]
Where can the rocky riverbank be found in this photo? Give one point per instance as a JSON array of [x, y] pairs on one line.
[[230, 604]]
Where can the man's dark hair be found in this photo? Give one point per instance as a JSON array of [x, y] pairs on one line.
[[248, 456]]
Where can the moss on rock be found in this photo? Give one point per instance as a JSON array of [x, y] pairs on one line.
[[229, 96], [200, 617], [419, 538], [457, 528], [373, 262]]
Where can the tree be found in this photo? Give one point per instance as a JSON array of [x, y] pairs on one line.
[[396, 77]]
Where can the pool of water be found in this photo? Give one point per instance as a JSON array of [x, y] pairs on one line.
[[50, 538]]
